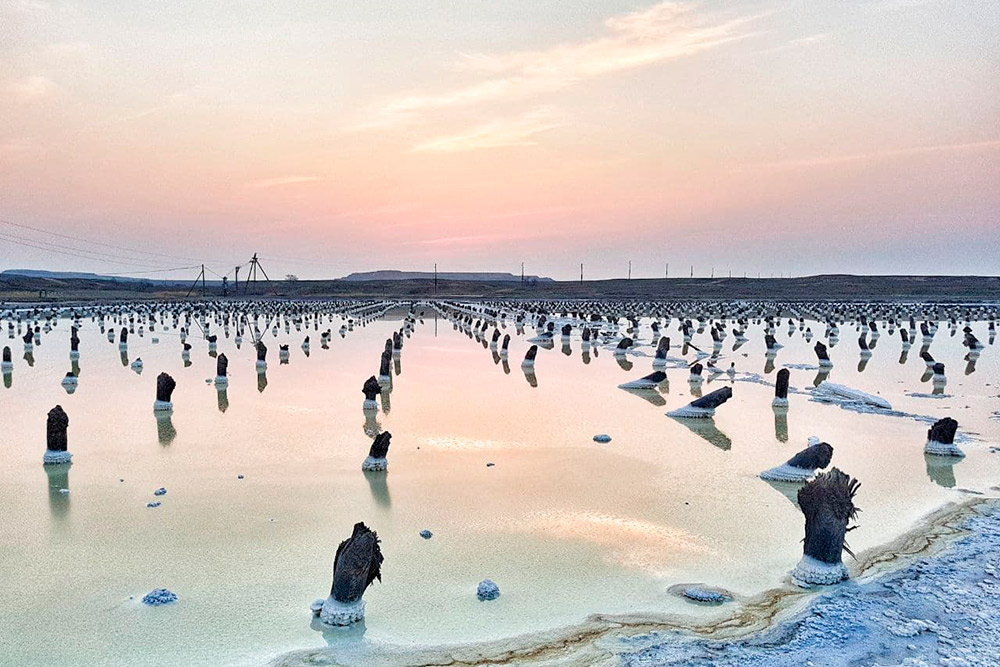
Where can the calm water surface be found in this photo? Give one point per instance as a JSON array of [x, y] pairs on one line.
[[564, 525]]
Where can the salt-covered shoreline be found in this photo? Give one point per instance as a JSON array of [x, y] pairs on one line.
[[931, 597], [937, 610]]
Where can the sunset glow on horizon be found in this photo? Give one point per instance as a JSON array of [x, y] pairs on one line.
[[860, 136]]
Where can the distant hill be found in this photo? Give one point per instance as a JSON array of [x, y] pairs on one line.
[[427, 275], [78, 275]]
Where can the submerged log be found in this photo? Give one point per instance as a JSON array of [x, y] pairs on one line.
[[801, 467], [704, 407]]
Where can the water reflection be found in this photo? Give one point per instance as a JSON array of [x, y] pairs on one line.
[[222, 393], [124, 358], [707, 429], [651, 395], [941, 469], [970, 366], [372, 426], [349, 636], [789, 490], [781, 422], [29, 357], [261, 381], [377, 484], [529, 375], [58, 481], [821, 376], [768, 364], [165, 431], [624, 362]]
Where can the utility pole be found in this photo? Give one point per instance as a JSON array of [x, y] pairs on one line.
[[692, 270], [630, 269], [713, 271], [435, 279], [252, 271], [201, 277], [666, 271], [581, 273], [237, 281], [522, 274]]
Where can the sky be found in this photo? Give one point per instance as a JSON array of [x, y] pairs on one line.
[[785, 137]]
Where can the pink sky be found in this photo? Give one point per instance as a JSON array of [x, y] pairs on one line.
[[862, 136]]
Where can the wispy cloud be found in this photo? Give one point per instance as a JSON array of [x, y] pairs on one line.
[[657, 34], [822, 161], [798, 42], [29, 88], [282, 180], [370, 212], [517, 131]]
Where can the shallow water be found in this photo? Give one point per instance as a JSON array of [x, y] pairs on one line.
[[564, 525]]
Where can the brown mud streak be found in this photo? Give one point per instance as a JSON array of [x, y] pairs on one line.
[[579, 645]]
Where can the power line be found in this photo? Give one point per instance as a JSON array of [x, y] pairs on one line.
[[15, 238], [106, 245], [132, 273], [73, 254]]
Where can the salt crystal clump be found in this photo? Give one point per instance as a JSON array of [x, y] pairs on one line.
[[487, 590], [158, 597]]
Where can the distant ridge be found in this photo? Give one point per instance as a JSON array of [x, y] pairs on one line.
[[427, 275], [80, 275]]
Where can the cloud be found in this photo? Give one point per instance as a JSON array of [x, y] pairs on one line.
[[518, 131], [30, 88], [657, 34], [282, 180], [808, 40], [827, 160]]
